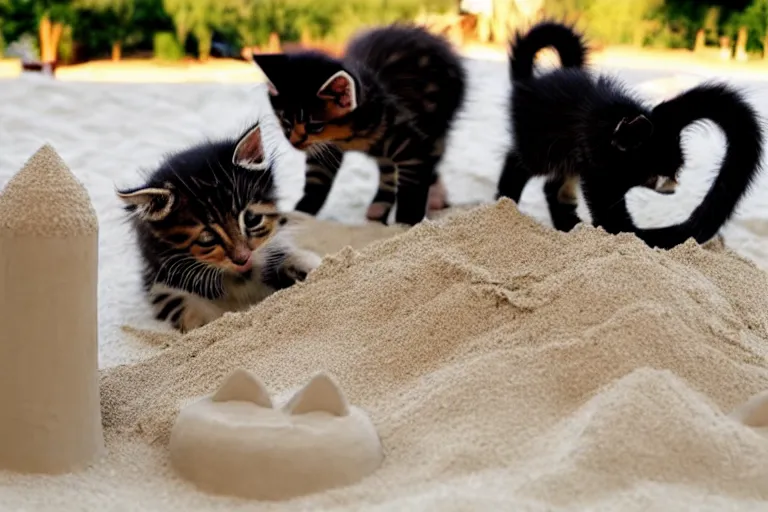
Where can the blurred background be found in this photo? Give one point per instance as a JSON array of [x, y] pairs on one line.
[[43, 34]]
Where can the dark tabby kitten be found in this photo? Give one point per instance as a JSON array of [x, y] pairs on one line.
[[210, 235], [569, 126], [393, 96]]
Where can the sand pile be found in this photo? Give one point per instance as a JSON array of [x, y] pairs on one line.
[[505, 365]]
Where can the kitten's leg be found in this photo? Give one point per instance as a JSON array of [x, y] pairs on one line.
[[514, 176], [607, 205], [438, 195], [322, 166], [382, 202], [414, 178], [561, 200], [182, 310]]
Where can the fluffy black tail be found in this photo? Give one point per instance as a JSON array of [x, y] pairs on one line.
[[523, 49], [740, 166]]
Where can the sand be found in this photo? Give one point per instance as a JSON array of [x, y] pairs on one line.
[[108, 132], [582, 398], [49, 392], [532, 370], [45, 199]]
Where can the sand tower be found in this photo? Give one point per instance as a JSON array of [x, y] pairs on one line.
[[50, 419]]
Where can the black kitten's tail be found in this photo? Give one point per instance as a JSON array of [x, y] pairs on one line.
[[569, 45], [741, 164]]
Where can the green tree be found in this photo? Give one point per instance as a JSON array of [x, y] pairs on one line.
[[755, 18], [201, 18], [118, 18]]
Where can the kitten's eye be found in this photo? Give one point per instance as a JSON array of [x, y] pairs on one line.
[[252, 220], [206, 239], [314, 127]]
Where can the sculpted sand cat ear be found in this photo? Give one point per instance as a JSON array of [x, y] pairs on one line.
[[321, 394], [242, 386]]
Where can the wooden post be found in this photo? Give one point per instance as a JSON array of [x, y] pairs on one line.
[[700, 40], [765, 46], [45, 38], [741, 45], [274, 43], [50, 35], [117, 51], [305, 39], [725, 48]]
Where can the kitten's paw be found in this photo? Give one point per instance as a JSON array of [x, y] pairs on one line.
[[300, 264], [438, 196], [190, 320], [197, 312], [378, 212]]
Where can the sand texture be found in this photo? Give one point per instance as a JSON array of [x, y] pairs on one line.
[[45, 199], [107, 133], [532, 370], [489, 390]]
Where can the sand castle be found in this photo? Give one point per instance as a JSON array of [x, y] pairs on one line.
[[49, 394], [236, 442]]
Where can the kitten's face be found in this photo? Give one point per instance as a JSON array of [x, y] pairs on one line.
[[312, 96], [209, 207], [217, 235]]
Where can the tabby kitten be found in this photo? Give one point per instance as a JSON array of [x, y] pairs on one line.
[[209, 233], [574, 127], [393, 96]]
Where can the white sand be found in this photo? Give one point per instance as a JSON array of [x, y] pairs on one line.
[[105, 132], [530, 371]]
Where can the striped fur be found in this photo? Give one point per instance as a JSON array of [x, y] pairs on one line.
[[210, 236], [405, 86]]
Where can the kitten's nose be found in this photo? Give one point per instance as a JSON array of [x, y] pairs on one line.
[[242, 260]]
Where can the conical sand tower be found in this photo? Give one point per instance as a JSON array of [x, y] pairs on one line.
[[50, 419]]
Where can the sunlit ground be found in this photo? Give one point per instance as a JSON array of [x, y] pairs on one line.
[[226, 70]]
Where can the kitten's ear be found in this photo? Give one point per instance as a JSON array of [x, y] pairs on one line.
[[149, 203], [242, 386], [321, 394], [631, 133], [249, 152], [340, 89], [273, 66]]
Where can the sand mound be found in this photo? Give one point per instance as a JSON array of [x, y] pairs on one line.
[[504, 365]]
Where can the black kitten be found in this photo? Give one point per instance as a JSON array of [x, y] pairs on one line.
[[569, 125], [393, 96], [210, 234]]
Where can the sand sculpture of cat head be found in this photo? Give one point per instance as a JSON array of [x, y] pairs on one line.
[[237, 442]]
